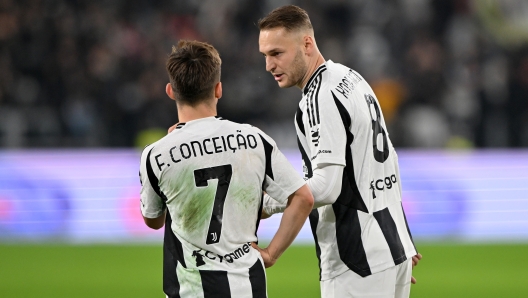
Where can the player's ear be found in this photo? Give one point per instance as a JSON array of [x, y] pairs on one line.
[[309, 44], [218, 90], [168, 90]]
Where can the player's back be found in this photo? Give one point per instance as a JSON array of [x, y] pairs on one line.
[[211, 173], [346, 126], [374, 160]]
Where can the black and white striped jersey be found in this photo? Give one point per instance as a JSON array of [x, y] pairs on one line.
[[339, 122], [209, 174]]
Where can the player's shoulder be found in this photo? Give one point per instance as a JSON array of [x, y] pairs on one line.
[[236, 125], [327, 77], [149, 147], [166, 140], [343, 81], [337, 73], [245, 128], [256, 130]]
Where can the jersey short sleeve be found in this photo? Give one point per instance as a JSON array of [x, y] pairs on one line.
[[328, 136], [281, 178], [152, 205]]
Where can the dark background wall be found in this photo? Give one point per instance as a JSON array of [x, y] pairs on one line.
[[90, 73]]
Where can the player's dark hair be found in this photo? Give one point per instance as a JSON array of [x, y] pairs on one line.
[[289, 17], [194, 70]]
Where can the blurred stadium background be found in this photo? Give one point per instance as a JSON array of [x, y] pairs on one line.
[[82, 91]]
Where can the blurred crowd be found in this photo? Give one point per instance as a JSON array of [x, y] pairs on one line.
[[91, 73]]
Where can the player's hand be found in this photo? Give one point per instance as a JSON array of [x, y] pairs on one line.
[[264, 215], [413, 280], [415, 260], [172, 128], [266, 257]]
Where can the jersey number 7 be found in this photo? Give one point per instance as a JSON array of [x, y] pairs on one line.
[[201, 178]]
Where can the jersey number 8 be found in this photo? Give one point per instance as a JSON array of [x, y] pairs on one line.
[[380, 155]]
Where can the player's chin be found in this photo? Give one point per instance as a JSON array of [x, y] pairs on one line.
[[284, 84]]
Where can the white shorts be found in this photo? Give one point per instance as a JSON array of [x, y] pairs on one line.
[[394, 282]]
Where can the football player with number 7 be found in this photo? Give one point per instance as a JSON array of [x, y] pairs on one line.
[[204, 182], [362, 238]]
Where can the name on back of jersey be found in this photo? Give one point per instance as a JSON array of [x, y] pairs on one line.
[[348, 83], [209, 146]]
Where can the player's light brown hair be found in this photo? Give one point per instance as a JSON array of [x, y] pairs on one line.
[[194, 70], [289, 17]]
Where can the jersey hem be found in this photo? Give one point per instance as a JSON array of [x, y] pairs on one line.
[[335, 161], [293, 190], [334, 274], [373, 270], [151, 215]]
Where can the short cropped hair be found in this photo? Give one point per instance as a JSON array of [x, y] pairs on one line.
[[194, 70], [289, 17]]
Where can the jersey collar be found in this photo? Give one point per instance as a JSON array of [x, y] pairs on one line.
[[319, 70], [182, 124]]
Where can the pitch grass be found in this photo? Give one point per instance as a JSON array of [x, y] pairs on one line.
[[135, 271]]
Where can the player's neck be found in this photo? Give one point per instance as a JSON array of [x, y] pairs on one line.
[[188, 113], [312, 67]]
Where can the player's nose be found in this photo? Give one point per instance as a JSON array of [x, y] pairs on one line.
[[270, 65]]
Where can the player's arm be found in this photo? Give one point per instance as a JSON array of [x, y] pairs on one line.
[[326, 183], [299, 206], [328, 152], [153, 208], [155, 223], [325, 186], [283, 183]]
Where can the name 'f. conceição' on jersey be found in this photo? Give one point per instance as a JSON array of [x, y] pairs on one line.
[[210, 174]]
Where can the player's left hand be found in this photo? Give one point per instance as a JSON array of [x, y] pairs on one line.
[[266, 256]]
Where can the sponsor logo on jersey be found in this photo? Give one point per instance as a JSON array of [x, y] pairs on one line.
[[382, 184], [231, 257], [199, 258], [320, 152]]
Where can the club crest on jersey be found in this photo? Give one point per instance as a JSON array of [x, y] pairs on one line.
[[214, 238]]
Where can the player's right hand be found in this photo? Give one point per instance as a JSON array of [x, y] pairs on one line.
[[171, 128], [264, 215], [415, 260], [266, 256]]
